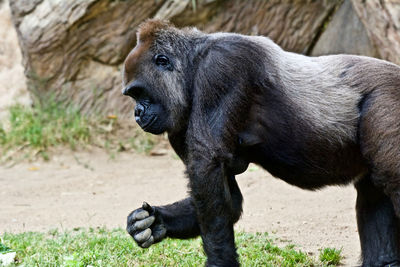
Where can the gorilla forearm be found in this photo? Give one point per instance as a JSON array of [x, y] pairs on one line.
[[214, 200], [180, 219], [176, 220]]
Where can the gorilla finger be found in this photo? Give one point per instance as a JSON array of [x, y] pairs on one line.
[[143, 224], [147, 206], [130, 228], [142, 236], [140, 214], [148, 243]]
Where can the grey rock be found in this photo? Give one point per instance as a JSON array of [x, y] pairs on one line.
[[345, 34], [381, 20], [7, 258], [75, 49]]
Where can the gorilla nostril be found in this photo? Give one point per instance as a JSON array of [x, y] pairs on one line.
[[139, 110]]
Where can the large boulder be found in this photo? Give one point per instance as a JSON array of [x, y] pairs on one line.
[[292, 24], [12, 80], [74, 49], [381, 18], [345, 34]]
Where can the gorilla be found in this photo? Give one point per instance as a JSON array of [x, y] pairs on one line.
[[227, 99]]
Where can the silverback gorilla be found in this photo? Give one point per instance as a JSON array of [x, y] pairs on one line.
[[227, 99]]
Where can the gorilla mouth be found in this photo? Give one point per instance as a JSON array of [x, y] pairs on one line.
[[148, 124]]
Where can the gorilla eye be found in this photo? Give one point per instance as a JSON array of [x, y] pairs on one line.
[[162, 61]]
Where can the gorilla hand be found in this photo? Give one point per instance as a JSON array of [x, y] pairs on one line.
[[146, 226]]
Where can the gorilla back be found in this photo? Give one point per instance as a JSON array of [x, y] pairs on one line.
[[226, 100]]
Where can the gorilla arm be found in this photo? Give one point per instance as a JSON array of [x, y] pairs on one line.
[[150, 224], [218, 207], [176, 220]]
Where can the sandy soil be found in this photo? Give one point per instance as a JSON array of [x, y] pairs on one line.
[[82, 189]]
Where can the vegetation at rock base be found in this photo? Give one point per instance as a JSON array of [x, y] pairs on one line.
[[33, 130]]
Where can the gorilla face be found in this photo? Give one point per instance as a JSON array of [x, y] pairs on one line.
[[150, 115], [154, 76]]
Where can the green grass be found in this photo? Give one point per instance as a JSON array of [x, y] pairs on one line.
[[102, 247], [4, 249], [40, 127], [330, 256], [141, 141], [45, 126]]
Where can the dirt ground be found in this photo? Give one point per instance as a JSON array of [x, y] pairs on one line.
[[81, 189]]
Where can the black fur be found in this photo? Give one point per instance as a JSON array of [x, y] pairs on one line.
[[227, 100]]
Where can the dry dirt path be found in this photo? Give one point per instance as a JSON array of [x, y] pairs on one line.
[[81, 189]]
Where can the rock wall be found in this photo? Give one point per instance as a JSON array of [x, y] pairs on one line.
[[382, 21], [345, 33], [74, 49], [12, 80], [294, 25]]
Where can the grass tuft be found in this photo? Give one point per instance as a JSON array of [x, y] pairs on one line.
[[102, 247], [49, 124], [4, 249], [43, 126], [330, 256]]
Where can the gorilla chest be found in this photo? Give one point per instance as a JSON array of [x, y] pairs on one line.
[[308, 166]]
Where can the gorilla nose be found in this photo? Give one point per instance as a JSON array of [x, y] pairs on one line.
[[134, 89], [139, 111]]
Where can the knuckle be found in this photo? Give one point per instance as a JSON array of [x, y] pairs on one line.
[[137, 215], [130, 230], [131, 217]]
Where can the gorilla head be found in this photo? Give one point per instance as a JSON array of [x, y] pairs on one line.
[[154, 76]]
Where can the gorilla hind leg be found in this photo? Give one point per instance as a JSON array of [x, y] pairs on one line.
[[379, 137], [378, 226]]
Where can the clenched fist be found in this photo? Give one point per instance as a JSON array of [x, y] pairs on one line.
[[146, 226]]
